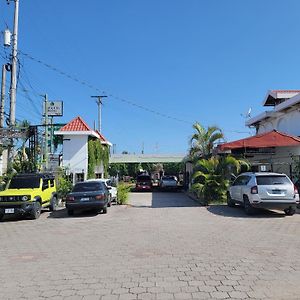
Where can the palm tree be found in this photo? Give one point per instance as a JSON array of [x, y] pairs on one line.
[[212, 175], [203, 141]]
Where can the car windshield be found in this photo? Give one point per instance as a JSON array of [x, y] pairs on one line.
[[87, 187], [272, 180], [144, 178], [169, 178], [24, 183]]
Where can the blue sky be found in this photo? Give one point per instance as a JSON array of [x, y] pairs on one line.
[[197, 60]]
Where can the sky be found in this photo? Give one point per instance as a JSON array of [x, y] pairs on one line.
[[164, 65]]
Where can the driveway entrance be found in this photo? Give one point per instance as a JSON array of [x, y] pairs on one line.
[[163, 246]]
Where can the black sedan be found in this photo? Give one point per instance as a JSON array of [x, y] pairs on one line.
[[87, 195]]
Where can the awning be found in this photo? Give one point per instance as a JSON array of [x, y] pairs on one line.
[[265, 140]]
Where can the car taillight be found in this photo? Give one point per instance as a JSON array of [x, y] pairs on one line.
[[296, 190], [70, 198], [100, 197], [254, 190]]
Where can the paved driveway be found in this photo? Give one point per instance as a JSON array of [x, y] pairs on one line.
[[163, 246]]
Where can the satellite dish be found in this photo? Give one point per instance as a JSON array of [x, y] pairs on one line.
[[249, 113]]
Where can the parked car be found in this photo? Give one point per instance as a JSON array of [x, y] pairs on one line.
[[27, 194], [263, 190], [169, 182], [143, 183], [113, 191], [88, 195]]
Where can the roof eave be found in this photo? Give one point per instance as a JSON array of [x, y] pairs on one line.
[[89, 133]]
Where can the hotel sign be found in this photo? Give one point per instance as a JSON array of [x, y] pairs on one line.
[[54, 108]]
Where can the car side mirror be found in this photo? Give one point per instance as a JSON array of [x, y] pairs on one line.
[[109, 187]]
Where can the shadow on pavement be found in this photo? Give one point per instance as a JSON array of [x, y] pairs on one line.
[[162, 199], [20, 218], [238, 212], [62, 213]]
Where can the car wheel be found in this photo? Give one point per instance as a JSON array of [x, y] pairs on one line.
[[104, 209], [230, 202], [70, 212], [289, 211], [1, 217], [247, 206], [36, 210], [53, 204]]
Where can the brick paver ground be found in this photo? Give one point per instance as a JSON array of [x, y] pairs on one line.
[[163, 246]]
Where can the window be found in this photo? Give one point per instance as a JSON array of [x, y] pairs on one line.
[[272, 180], [45, 184], [51, 182], [88, 187], [242, 180], [144, 178], [79, 177], [24, 182]]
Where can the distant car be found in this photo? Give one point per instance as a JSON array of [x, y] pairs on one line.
[[143, 183], [113, 191], [169, 182], [86, 195], [264, 190]]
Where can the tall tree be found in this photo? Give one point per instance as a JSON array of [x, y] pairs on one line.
[[203, 141]]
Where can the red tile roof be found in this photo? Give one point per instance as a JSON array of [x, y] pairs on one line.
[[76, 124], [265, 140], [101, 137]]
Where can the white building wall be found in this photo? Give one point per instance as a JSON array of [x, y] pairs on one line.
[[100, 170], [287, 123], [75, 154], [266, 126]]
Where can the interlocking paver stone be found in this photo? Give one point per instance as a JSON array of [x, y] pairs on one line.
[[163, 246], [219, 295]]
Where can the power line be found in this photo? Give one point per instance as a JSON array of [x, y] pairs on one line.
[[29, 98], [85, 83], [132, 103]]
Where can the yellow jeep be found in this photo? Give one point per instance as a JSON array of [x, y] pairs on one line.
[[27, 194]]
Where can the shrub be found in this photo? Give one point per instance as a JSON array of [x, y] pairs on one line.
[[64, 186], [123, 193]]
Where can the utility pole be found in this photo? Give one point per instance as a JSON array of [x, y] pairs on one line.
[[13, 83], [99, 103], [2, 96], [46, 131]]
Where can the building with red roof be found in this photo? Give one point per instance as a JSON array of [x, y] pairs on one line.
[[276, 144], [76, 136]]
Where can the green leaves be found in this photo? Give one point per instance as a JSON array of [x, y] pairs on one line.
[[97, 154], [203, 141], [211, 177]]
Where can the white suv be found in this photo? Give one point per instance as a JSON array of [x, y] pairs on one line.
[[263, 190]]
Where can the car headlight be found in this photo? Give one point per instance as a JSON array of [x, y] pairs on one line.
[[25, 198]]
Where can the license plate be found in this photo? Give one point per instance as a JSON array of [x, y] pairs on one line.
[[9, 210], [276, 191], [84, 199]]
